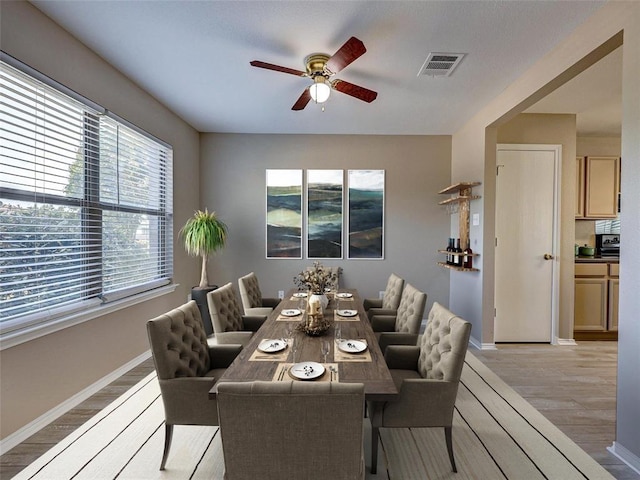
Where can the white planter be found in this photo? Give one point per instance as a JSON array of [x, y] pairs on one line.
[[323, 299]]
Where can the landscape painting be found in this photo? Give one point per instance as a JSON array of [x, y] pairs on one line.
[[284, 213], [366, 214], [324, 213]]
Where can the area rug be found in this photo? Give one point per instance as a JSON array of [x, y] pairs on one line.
[[496, 433]]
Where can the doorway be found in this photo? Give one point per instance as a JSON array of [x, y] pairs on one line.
[[526, 267]]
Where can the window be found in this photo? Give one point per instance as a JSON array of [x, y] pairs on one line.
[[85, 204]]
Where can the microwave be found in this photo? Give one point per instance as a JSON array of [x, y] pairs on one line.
[[608, 244]]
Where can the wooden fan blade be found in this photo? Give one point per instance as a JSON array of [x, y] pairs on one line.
[[302, 101], [356, 91], [347, 53], [277, 68]]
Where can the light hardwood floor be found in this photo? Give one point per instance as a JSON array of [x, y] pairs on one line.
[[574, 387]]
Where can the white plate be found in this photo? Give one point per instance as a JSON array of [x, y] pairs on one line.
[[306, 370], [347, 313], [272, 346], [291, 312], [344, 295], [352, 346], [300, 295]]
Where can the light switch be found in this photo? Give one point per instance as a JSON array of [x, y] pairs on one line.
[[476, 219]]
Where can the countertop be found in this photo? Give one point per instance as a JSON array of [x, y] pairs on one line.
[[597, 259]]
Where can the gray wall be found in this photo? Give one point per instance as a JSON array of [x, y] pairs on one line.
[[232, 183], [43, 373]]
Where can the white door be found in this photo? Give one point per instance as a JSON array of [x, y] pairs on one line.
[[526, 203]]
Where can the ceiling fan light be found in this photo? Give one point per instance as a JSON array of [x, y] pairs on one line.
[[320, 91]]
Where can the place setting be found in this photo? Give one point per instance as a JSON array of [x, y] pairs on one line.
[[298, 295], [307, 371], [345, 315], [351, 350], [272, 350], [344, 296], [289, 314]]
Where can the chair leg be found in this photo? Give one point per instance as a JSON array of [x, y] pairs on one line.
[[447, 436], [168, 435], [375, 434]]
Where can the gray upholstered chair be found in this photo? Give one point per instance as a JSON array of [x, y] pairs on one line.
[[335, 271], [390, 300], [187, 368], [229, 325], [403, 326], [253, 302], [292, 429], [427, 378]]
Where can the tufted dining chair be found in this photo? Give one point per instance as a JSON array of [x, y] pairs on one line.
[[187, 368], [390, 301], [403, 326], [253, 302], [229, 324], [292, 429], [427, 377]]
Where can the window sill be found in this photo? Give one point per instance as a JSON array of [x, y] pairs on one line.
[[11, 339]]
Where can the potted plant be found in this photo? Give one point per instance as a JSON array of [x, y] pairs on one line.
[[203, 235]]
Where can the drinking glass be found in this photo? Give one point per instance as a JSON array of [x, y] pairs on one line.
[[325, 349], [295, 346], [338, 332], [289, 329]]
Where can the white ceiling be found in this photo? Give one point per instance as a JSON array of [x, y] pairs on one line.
[[194, 57], [595, 96]]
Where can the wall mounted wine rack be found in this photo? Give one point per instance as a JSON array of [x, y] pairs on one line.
[[460, 204]]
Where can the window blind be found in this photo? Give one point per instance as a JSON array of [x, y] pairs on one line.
[[85, 204]]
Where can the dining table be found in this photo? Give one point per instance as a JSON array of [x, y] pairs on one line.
[[347, 352]]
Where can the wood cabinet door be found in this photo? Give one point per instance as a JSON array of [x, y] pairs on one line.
[[602, 185], [579, 187], [614, 286], [590, 311]]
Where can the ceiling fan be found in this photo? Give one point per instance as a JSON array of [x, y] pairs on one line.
[[320, 67]]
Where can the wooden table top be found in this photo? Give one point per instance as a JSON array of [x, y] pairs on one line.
[[373, 374]]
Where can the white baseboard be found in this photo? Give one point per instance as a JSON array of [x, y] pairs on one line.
[[45, 419], [625, 455], [565, 341], [482, 346]]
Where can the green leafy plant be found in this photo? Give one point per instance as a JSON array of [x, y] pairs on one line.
[[203, 235]]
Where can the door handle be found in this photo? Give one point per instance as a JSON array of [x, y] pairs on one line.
[[548, 256]]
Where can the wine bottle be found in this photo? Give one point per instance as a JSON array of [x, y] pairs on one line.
[[467, 261], [457, 254], [450, 252]]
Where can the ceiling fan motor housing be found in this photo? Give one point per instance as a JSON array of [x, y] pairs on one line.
[[316, 64]]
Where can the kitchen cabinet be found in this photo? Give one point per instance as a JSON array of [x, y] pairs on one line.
[[596, 300], [579, 187], [614, 296], [601, 186], [590, 309], [459, 203]]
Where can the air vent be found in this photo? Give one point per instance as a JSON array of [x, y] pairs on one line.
[[440, 64]]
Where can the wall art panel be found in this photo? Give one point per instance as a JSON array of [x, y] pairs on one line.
[[284, 213], [366, 214], [324, 213]]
